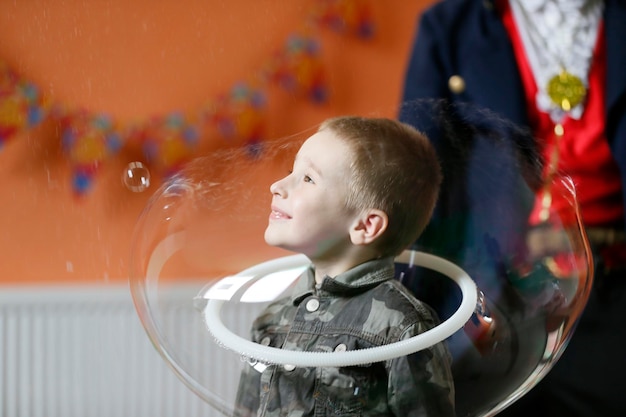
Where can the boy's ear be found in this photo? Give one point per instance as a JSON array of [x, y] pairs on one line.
[[369, 226]]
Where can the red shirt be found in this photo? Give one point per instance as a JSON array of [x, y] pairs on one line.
[[583, 151]]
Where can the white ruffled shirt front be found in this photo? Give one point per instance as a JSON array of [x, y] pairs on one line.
[[558, 35]]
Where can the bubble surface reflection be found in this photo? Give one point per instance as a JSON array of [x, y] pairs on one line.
[[205, 226]]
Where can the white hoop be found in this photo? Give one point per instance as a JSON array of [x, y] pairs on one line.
[[279, 356]]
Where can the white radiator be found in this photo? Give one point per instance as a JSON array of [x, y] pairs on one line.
[[82, 352]]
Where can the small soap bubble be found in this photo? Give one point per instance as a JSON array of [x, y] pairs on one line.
[[136, 177]]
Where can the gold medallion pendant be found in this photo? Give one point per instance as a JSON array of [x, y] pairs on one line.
[[566, 90]]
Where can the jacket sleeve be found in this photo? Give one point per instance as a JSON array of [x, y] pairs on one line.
[[426, 75], [426, 72], [421, 384], [247, 401]]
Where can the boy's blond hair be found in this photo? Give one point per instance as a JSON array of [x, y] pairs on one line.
[[394, 169]]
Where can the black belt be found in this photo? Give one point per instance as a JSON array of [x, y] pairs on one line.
[[608, 245], [605, 236]]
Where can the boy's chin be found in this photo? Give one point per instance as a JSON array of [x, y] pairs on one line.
[[278, 243], [272, 240], [269, 239]]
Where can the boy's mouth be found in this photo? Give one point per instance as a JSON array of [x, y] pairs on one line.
[[276, 213]]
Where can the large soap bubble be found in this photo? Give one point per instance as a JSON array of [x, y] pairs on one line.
[[201, 272]]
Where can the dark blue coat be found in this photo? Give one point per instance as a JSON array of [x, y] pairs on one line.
[[467, 38], [491, 170]]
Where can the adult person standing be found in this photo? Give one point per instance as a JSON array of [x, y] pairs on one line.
[[558, 68]]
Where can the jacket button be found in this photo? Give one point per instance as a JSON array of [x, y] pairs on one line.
[[312, 305], [456, 84], [289, 368], [341, 348], [265, 341]]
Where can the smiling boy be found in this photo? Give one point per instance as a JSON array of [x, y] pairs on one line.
[[360, 192]]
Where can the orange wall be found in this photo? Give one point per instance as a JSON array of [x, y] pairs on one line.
[[137, 59]]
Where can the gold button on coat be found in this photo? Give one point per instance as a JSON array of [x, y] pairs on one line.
[[456, 83]]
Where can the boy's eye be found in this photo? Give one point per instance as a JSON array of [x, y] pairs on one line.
[[308, 179]]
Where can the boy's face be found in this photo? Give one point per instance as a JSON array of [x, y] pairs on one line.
[[308, 206]]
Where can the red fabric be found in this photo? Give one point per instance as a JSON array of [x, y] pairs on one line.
[[584, 152]]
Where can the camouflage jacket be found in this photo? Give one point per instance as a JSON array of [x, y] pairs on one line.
[[364, 307]]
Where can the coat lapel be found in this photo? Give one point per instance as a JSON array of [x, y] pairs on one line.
[[495, 61]]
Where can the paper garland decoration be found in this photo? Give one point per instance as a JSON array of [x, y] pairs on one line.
[[168, 141], [21, 105], [88, 141], [298, 69], [241, 114], [345, 17]]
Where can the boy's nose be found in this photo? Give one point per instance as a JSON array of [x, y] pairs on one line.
[[277, 188]]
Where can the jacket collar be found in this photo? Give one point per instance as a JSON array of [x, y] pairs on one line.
[[358, 279]]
